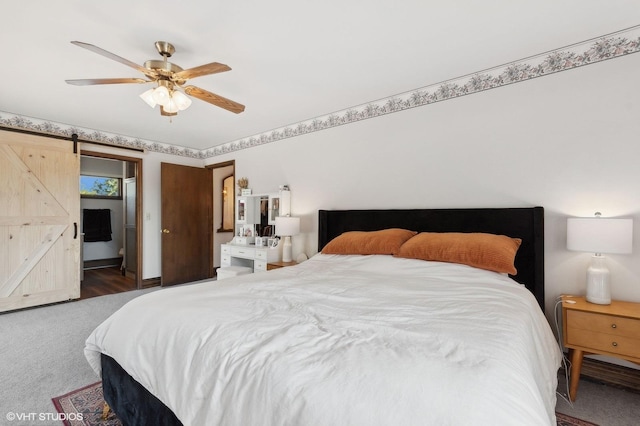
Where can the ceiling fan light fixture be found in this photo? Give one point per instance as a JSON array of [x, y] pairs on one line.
[[161, 95], [148, 98], [172, 106], [181, 100]]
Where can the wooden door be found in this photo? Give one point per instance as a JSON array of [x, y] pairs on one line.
[[39, 216], [187, 223]]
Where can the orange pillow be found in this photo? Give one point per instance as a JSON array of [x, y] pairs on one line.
[[486, 251], [387, 241]]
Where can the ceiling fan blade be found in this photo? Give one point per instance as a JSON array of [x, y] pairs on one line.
[[91, 81], [212, 68], [214, 99], [99, 51]]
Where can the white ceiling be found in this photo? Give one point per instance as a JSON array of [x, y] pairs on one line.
[[291, 60]]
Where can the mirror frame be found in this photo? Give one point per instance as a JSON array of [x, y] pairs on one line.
[[228, 199]]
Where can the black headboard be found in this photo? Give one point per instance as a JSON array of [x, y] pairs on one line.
[[526, 223]]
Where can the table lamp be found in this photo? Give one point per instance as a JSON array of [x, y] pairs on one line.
[[598, 235], [287, 226]]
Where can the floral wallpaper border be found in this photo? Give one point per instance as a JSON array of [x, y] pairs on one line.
[[588, 52]]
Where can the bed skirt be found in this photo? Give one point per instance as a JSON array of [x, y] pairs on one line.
[[132, 403]]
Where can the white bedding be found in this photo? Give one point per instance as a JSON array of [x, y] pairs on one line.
[[341, 340]]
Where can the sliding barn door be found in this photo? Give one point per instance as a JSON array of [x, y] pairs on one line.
[[39, 213]]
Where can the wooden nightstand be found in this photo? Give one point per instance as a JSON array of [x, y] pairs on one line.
[[276, 265], [612, 330]]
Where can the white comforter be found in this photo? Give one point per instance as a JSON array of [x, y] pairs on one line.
[[341, 340]]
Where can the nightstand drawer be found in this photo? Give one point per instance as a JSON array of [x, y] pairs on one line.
[[620, 345], [600, 323], [590, 328]]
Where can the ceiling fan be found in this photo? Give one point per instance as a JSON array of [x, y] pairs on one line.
[[168, 77]]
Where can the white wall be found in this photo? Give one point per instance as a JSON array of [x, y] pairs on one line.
[[567, 142]]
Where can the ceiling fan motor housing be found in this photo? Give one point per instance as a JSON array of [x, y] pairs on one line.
[[164, 68]]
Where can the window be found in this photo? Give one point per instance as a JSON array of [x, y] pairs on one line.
[[100, 187]]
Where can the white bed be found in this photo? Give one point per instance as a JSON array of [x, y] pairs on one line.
[[341, 340]]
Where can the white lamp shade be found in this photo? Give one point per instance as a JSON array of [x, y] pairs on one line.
[[161, 95], [182, 101], [148, 98], [287, 225], [171, 107], [598, 235]]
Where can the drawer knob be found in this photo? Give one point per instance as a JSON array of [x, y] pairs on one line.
[[614, 326], [615, 343]]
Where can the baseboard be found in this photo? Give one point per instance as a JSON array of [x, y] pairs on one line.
[[151, 282], [614, 375], [102, 263]]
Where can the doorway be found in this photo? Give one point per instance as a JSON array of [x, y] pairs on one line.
[[113, 265]]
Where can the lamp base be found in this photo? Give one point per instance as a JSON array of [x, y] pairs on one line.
[[286, 250], [598, 282]]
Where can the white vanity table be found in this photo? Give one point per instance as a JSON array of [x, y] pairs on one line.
[[248, 255], [253, 213]]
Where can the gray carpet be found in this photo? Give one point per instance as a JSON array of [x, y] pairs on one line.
[[41, 356], [601, 404]]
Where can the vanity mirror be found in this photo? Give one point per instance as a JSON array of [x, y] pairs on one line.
[[279, 205], [258, 213], [274, 208], [264, 229]]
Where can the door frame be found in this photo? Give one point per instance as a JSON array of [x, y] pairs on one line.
[[215, 241], [138, 162]]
